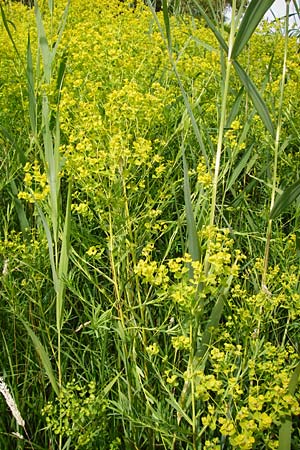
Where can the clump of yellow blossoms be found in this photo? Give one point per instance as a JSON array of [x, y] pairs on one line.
[[35, 182]]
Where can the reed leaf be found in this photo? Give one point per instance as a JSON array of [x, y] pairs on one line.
[[52, 165], [193, 242], [43, 356], [64, 260], [253, 15], [24, 223], [256, 98], [167, 24], [285, 432], [285, 199], [43, 43], [62, 26], [6, 26], [212, 27], [238, 169], [30, 84]]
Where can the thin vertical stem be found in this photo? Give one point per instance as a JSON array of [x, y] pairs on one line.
[[276, 147], [223, 116]]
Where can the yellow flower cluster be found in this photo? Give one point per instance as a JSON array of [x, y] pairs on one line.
[[36, 183]]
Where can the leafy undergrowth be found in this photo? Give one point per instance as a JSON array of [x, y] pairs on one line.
[[137, 312]]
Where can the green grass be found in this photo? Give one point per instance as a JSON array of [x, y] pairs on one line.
[[149, 235]]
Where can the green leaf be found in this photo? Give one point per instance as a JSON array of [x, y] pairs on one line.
[[193, 242], [256, 98], [285, 199], [212, 27], [167, 24], [6, 26], [235, 108], [253, 15], [238, 169], [285, 432], [64, 260], [43, 355], [24, 224], [30, 84], [43, 43]]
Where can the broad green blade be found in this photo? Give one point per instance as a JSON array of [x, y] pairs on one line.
[[50, 247], [193, 242], [235, 108], [52, 165], [253, 15], [212, 27], [6, 25], [51, 6], [62, 26], [61, 76], [285, 199], [238, 169], [256, 98], [43, 43], [167, 24], [285, 432], [30, 84], [44, 357], [24, 224], [212, 325], [64, 260]]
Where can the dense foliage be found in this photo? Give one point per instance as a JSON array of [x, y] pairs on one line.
[[132, 316]]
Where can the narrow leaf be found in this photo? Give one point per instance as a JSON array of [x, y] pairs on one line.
[[43, 43], [212, 27], [30, 84], [285, 199], [24, 224], [50, 247], [253, 15], [52, 164], [193, 242], [238, 169], [235, 108], [6, 26], [256, 98], [61, 29], [43, 355], [61, 76], [167, 24], [285, 432], [64, 260]]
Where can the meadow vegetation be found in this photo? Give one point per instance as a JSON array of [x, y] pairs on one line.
[[149, 235]]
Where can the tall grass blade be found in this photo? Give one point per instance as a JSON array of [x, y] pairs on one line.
[[256, 98], [285, 199], [24, 224], [31, 94], [167, 24], [238, 169], [61, 75], [43, 355], [6, 26], [253, 15], [61, 29], [235, 108], [285, 432], [52, 164], [43, 43], [51, 6], [64, 259], [187, 103], [212, 27], [50, 247], [193, 242]]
